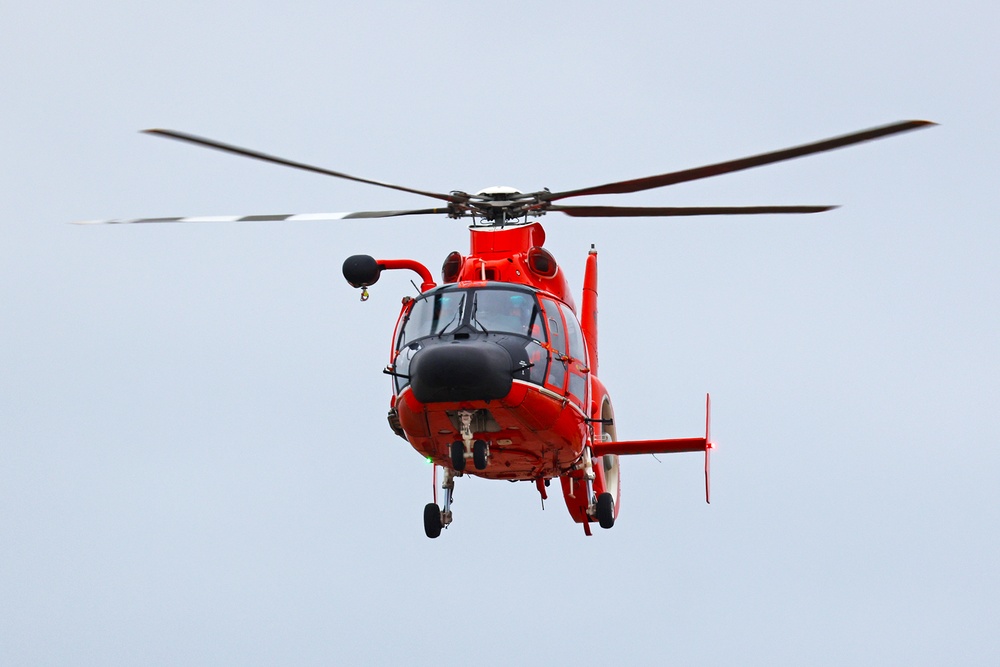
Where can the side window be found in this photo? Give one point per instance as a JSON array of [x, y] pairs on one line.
[[557, 340], [578, 387], [555, 326], [402, 365], [538, 360], [401, 359], [574, 335], [404, 319], [577, 380]]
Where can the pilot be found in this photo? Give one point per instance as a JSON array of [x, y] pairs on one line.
[[519, 313]]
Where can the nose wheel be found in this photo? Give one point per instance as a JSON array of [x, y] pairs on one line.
[[480, 454], [460, 455]]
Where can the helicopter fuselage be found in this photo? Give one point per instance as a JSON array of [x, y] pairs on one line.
[[497, 368]]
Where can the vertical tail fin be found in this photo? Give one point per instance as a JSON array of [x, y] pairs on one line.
[[588, 309]]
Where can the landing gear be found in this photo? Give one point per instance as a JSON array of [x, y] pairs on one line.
[[435, 517], [432, 520], [480, 454], [458, 456], [606, 510], [459, 452]]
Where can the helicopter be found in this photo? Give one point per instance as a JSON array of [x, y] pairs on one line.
[[494, 371]]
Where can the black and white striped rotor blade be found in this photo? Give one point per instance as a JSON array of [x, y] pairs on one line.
[[280, 217], [257, 155], [673, 211]]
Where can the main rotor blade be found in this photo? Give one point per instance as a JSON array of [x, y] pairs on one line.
[[669, 211], [284, 217], [650, 182], [246, 152]]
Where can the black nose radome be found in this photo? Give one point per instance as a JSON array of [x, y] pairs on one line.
[[361, 270], [461, 371]]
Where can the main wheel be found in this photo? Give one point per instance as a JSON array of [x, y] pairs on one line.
[[458, 456], [606, 510], [479, 454], [432, 520]]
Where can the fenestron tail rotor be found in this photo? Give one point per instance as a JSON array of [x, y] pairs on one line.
[[501, 206]]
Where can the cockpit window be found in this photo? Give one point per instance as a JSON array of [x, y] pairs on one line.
[[435, 314], [488, 310], [507, 311], [509, 318]]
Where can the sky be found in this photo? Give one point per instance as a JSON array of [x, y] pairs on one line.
[[195, 466]]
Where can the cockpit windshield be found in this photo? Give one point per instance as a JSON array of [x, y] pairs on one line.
[[506, 311], [436, 314], [489, 310], [510, 318]]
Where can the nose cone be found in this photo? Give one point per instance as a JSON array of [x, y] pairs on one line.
[[461, 371]]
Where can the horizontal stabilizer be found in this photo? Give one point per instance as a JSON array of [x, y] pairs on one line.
[[670, 446]]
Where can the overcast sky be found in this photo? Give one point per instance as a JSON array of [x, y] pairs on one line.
[[195, 465]]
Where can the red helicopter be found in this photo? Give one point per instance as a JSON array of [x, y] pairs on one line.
[[497, 366]]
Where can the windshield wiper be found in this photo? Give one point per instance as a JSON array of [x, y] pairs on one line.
[[457, 315], [472, 317]]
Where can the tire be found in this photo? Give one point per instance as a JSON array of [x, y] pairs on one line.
[[606, 510], [458, 456], [432, 520], [479, 454]]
